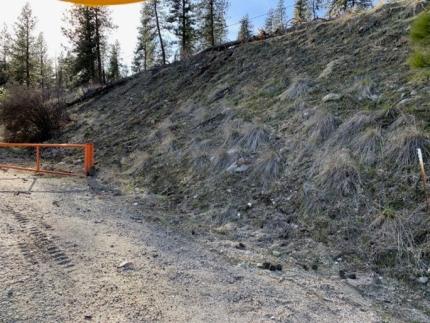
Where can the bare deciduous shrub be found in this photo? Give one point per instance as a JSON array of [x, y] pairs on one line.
[[28, 118]]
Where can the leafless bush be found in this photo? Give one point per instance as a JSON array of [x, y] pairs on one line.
[[402, 146], [28, 118]]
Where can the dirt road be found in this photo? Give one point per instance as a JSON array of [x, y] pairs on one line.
[[62, 245]]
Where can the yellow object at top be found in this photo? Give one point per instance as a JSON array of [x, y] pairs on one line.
[[102, 2]]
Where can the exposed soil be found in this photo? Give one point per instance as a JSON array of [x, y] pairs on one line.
[[63, 241]]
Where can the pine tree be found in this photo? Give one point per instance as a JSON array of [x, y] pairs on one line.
[[87, 31], [64, 73], [23, 58], [5, 43], [270, 20], [338, 7], [144, 55], [115, 66], [419, 59], [182, 23], [43, 64], [314, 7], [213, 29], [245, 31], [301, 12], [280, 17]]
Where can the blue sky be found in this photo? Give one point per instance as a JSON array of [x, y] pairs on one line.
[[50, 12]]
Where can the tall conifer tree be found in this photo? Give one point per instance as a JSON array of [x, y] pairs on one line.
[[182, 24], [23, 56]]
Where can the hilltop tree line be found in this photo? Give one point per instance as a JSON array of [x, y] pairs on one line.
[[193, 25], [168, 30]]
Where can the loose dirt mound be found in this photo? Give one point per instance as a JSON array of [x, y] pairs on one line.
[[297, 142]]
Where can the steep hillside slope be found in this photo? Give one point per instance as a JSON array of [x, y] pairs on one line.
[[295, 143]]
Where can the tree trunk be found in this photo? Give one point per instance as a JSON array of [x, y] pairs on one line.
[[98, 50], [163, 52], [89, 60], [42, 74], [184, 32], [212, 22], [145, 58], [27, 54]]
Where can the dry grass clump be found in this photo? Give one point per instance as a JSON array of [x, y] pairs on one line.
[[223, 159], [402, 146], [232, 132], [403, 120], [349, 129], [368, 146], [298, 89], [321, 126], [395, 241], [339, 175], [364, 89], [253, 138], [268, 168], [167, 142], [200, 163]]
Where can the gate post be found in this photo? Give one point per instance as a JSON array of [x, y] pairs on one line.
[[37, 158]]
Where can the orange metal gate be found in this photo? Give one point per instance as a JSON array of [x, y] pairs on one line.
[[88, 150]]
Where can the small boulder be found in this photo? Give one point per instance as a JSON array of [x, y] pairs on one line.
[[423, 280], [126, 265], [269, 266], [332, 97], [240, 246], [276, 253]]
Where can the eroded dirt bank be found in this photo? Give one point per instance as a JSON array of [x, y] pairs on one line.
[[62, 243]]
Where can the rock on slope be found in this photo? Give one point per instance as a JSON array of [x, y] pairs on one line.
[[298, 141]]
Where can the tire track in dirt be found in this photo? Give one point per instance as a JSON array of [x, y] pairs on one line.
[[35, 244]]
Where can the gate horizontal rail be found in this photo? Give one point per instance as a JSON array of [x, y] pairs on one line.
[[88, 150]]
